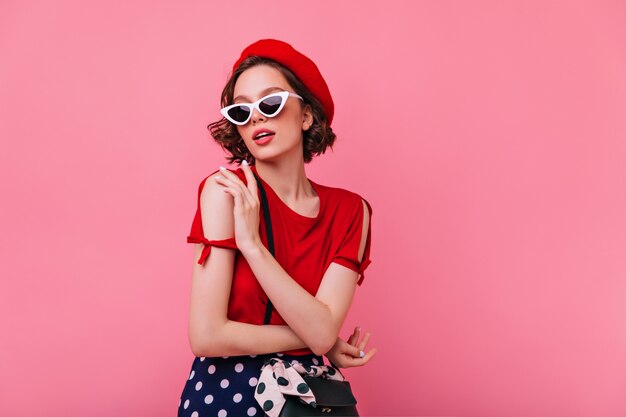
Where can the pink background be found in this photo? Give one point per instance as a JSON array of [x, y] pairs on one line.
[[489, 137]]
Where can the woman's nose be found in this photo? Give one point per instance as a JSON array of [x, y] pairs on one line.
[[256, 116]]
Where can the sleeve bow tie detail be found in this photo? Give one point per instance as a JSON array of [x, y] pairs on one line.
[[222, 243]]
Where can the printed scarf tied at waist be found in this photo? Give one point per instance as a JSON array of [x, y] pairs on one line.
[[279, 378]]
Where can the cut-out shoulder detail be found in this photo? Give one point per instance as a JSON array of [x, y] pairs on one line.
[[348, 253], [365, 229], [366, 261]]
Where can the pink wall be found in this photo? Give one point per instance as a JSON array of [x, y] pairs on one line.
[[489, 137]]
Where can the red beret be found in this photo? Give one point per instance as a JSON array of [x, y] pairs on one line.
[[299, 64]]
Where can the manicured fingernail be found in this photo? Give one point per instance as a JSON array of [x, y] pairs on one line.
[[361, 353], [244, 162], [222, 168]]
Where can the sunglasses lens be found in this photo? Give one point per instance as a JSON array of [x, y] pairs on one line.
[[239, 113], [270, 105]]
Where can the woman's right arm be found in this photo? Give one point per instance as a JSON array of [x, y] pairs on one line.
[[211, 333]]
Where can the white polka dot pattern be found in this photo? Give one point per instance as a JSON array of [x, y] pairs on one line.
[[226, 387]]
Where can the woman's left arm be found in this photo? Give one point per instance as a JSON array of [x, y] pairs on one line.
[[315, 319]]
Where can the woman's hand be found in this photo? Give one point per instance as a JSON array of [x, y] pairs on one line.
[[351, 353], [246, 210]]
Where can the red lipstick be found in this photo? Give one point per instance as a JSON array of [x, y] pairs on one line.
[[262, 136]]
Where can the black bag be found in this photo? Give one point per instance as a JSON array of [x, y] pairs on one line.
[[333, 398]]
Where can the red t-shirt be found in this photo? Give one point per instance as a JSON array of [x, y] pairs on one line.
[[304, 247]]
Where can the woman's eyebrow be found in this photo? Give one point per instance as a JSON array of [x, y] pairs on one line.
[[267, 90]]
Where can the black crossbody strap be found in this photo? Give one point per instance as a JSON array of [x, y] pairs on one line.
[[270, 239], [270, 244]]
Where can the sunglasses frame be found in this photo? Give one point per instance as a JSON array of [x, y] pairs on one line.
[[283, 94]]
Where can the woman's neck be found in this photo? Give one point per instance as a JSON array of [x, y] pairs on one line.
[[288, 179]]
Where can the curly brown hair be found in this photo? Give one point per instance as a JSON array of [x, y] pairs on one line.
[[315, 140]]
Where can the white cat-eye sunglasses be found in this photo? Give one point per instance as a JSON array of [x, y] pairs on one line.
[[268, 106]]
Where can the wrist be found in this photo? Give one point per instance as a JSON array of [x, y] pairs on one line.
[[251, 249]]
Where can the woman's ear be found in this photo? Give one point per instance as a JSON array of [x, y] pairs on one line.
[[307, 119]]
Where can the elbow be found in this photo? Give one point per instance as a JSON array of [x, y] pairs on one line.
[[198, 349], [206, 345], [324, 336], [201, 347], [208, 339], [323, 344], [319, 351]]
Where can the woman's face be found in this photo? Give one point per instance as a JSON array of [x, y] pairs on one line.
[[257, 82]]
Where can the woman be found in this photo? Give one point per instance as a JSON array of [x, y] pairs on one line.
[[277, 115]]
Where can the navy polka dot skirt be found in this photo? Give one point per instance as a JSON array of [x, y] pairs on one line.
[[224, 386]]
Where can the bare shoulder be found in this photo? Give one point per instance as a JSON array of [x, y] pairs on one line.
[[217, 210], [365, 229], [366, 208]]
